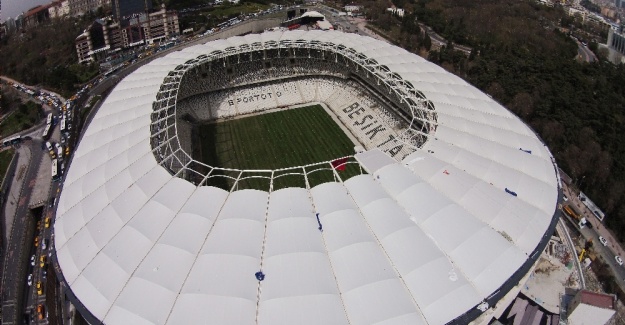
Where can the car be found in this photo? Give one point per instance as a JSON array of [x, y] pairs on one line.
[[29, 280], [618, 260], [41, 312], [44, 244], [44, 274], [42, 261], [32, 260], [565, 198], [39, 288], [49, 145], [37, 241], [47, 222], [603, 241], [57, 145]]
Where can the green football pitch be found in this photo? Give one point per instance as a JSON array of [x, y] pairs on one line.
[[282, 139]]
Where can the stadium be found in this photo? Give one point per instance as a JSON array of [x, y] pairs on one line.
[[440, 205]]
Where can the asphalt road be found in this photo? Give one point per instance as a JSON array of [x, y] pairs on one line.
[[17, 255], [585, 53], [607, 252], [18, 298], [32, 298], [441, 41]]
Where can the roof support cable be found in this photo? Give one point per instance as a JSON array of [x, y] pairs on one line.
[[327, 252], [260, 276]]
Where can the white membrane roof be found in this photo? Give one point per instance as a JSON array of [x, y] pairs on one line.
[[418, 242]]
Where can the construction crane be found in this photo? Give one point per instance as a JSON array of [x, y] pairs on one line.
[[581, 255]]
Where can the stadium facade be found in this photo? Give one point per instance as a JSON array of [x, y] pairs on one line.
[[446, 218]]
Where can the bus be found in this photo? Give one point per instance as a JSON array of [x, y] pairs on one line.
[[49, 119], [12, 141], [59, 152], [56, 175], [62, 125], [47, 132], [165, 46]]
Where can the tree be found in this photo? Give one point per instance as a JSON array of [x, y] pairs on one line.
[[603, 54], [593, 46], [427, 42], [522, 104], [496, 90]]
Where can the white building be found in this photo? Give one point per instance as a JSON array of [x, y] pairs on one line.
[[591, 308], [59, 8], [80, 7], [352, 8], [396, 11]]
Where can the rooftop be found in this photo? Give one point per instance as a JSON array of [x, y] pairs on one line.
[[596, 299]]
